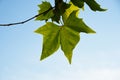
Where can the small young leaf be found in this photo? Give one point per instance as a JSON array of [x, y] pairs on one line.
[[51, 39], [44, 7]]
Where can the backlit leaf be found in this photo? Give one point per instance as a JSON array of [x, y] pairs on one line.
[[68, 39], [68, 35], [44, 8], [69, 11], [51, 39], [77, 24]]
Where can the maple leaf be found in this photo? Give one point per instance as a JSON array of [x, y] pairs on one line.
[[51, 40], [94, 5], [67, 36], [68, 40], [77, 24], [91, 3], [78, 3]]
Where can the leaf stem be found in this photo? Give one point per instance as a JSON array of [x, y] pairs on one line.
[[61, 22], [27, 20]]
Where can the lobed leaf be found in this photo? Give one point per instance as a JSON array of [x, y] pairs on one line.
[[51, 39], [77, 24], [68, 40], [66, 35]]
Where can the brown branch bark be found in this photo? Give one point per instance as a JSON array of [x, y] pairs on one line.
[[22, 22]]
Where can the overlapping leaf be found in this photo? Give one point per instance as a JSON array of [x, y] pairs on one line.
[[68, 39], [51, 40], [69, 11], [60, 8], [77, 24], [70, 33]]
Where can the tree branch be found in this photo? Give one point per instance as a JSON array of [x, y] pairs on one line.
[[22, 22]]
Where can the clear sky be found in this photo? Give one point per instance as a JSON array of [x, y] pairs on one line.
[[96, 57]]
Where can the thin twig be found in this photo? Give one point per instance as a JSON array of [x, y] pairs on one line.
[[22, 22]]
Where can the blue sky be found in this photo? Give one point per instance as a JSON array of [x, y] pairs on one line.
[[96, 57]]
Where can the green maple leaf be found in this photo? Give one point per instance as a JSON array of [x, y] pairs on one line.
[[54, 36], [91, 3], [67, 36], [47, 11], [79, 3], [51, 40], [77, 24], [94, 5]]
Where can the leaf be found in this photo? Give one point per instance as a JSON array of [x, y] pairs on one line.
[[68, 40], [56, 16], [69, 34], [91, 3], [60, 8], [94, 5], [77, 24], [69, 11], [78, 3], [54, 35], [47, 11], [51, 39]]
